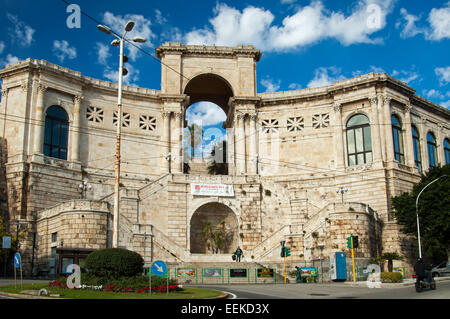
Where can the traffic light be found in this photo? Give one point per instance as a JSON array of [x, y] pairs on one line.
[[349, 242], [355, 242], [287, 252], [283, 251]]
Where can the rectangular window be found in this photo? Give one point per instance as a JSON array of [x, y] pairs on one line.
[[54, 237]]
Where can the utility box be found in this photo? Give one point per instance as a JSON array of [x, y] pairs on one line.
[[338, 267]]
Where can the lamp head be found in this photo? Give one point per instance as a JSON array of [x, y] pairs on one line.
[[104, 28], [129, 26]]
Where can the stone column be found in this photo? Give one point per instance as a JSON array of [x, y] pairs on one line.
[[240, 144], [389, 141], [39, 123], [177, 143], [339, 131], [423, 143], [76, 128], [409, 149], [166, 141], [4, 93], [253, 161], [440, 145], [375, 129]]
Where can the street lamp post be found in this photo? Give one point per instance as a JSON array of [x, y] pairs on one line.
[[417, 212], [122, 71], [342, 190]]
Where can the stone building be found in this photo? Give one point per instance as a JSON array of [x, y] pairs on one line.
[[308, 166]]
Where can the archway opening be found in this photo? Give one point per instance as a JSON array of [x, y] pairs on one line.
[[205, 135], [213, 230]]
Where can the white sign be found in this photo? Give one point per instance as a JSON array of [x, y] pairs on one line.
[[212, 190]]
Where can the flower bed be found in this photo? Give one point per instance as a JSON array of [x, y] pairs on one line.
[[113, 288]]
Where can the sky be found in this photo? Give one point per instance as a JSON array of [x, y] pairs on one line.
[[305, 43]]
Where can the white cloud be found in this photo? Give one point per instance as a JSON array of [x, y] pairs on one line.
[[446, 104], [205, 114], [433, 94], [103, 53], [295, 86], [141, 29], [438, 27], [2, 47], [62, 50], [439, 20], [10, 59], [130, 79], [325, 76], [21, 33], [405, 76], [443, 75], [310, 24], [409, 27], [270, 85]]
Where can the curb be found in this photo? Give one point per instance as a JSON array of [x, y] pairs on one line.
[[392, 285], [23, 296]]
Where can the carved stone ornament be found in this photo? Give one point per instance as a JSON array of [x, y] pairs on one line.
[[373, 100], [337, 107], [78, 99]]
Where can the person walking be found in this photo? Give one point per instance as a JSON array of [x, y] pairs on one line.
[[238, 254]]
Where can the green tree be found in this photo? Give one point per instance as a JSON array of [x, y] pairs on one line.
[[434, 213]]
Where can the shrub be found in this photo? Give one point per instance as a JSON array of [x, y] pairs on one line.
[[114, 263], [391, 277]]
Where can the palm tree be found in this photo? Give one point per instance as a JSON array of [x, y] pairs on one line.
[[194, 133]]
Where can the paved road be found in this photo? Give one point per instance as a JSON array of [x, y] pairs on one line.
[[330, 291]]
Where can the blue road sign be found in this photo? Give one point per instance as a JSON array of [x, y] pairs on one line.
[[6, 242], [159, 268], [17, 260]]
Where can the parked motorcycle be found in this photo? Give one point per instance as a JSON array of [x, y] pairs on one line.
[[421, 283]]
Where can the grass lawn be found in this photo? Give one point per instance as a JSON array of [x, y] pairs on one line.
[[186, 293]]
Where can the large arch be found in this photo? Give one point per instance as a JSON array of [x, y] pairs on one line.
[[209, 87], [218, 216]]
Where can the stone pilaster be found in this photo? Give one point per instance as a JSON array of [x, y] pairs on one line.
[[39, 123], [166, 141], [240, 144], [253, 160], [389, 142], [339, 131], [376, 129], [177, 143], [409, 150], [76, 128], [4, 106]]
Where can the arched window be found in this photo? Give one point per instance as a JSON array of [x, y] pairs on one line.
[[56, 133], [447, 150], [359, 142], [399, 153], [416, 146], [431, 146]]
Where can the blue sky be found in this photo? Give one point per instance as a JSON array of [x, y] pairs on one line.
[[304, 43]]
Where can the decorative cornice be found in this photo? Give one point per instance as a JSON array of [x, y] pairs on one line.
[[176, 48]]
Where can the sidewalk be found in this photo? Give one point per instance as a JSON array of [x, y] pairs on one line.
[[405, 283]]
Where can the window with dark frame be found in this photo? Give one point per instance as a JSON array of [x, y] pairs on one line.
[[359, 140], [56, 134], [447, 151], [431, 147], [397, 136], [54, 237], [416, 147]]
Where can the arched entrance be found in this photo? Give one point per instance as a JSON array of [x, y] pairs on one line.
[[205, 126], [213, 229]]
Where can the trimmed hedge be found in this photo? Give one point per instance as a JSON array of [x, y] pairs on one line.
[[394, 277], [114, 263]]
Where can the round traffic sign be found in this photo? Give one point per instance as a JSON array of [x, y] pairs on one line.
[[17, 260], [159, 268]]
